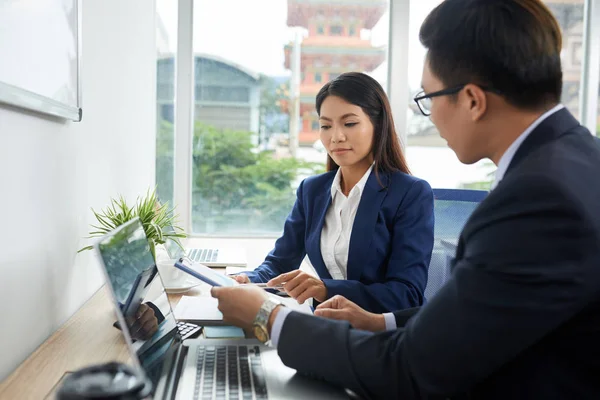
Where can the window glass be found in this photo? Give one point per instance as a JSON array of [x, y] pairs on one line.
[[427, 153], [166, 46], [336, 30], [244, 176]]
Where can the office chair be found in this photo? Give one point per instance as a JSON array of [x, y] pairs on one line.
[[452, 209]]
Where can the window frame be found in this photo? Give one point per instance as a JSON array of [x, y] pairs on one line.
[[590, 66], [397, 88]]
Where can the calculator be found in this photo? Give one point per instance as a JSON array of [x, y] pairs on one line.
[[187, 330]]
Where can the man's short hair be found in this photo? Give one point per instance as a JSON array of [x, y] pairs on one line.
[[512, 46]]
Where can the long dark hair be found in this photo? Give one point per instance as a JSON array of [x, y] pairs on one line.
[[363, 91]]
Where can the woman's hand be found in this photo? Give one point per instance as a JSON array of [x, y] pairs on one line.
[[301, 286]]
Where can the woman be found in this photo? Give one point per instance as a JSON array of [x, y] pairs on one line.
[[367, 224]]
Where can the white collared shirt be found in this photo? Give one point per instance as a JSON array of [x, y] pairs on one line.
[[512, 149], [337, 229]]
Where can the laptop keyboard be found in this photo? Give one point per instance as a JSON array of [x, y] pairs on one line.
[[230, 372], [204, 255]]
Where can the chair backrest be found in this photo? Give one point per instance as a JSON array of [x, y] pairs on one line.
[[452, 209]]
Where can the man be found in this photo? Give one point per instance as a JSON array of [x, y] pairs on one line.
[[520, 316]]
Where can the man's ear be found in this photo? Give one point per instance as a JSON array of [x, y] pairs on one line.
[[475, 100]]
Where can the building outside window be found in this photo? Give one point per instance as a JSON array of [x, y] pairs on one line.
[[336, 30], [243, 174]]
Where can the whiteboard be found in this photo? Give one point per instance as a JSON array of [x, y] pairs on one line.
[[40, 52]]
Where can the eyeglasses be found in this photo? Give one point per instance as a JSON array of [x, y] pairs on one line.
[[424, 100]]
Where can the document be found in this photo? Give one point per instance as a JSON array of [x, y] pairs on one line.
[[198, 309]]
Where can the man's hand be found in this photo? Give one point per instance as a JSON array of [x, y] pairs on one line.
[[339, 307], [144, 324], [301, 286], [241, 278], [240, 304]]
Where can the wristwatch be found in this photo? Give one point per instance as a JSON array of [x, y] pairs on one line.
[[259, 326]]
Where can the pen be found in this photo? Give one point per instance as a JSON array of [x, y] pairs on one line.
[[264, 286]]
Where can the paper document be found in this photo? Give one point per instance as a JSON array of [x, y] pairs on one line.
[[293, 304], [205, 308], [202, 308]]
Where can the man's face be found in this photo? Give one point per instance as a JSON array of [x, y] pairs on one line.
[[453, 118]]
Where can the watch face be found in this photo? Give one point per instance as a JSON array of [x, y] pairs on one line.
[[260, 333]]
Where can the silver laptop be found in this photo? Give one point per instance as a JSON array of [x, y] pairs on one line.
[[198, 368], [211, 257]]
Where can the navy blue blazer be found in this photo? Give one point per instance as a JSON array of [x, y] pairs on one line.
[[390, 246]]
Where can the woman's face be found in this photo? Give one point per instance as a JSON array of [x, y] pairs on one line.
[[346, 132]]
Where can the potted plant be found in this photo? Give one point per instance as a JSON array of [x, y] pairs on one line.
[[157, 219]]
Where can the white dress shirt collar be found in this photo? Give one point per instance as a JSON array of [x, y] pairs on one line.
[[512, 149], [336, 186]]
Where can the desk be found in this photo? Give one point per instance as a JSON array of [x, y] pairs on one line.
[[88, 337]]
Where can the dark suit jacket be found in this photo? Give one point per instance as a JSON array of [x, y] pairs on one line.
[[520, 316], [390, 245]]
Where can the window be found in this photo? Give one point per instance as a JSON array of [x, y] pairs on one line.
[[427, 153], [336, 30], [166, 46], [224, 93], [244, 176], [352, 31], [333, 75], [570, 18]]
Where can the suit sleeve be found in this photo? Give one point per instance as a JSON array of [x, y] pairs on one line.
[[289, 249], [528, 267], [403, 316], [411, 247]]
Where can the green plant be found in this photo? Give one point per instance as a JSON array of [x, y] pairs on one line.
[[155, 217], [236, 187]]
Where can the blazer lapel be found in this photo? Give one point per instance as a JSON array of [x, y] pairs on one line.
[[364, 223], [322, 203]]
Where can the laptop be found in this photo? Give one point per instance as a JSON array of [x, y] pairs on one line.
[[211, 257], [198, 368]]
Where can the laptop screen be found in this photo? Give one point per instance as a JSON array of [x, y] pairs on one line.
[[173, 249], [131, 272]]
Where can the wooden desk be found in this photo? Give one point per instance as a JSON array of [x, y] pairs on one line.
[[88, 337]]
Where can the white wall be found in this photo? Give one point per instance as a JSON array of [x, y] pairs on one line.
[[52, 172]]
